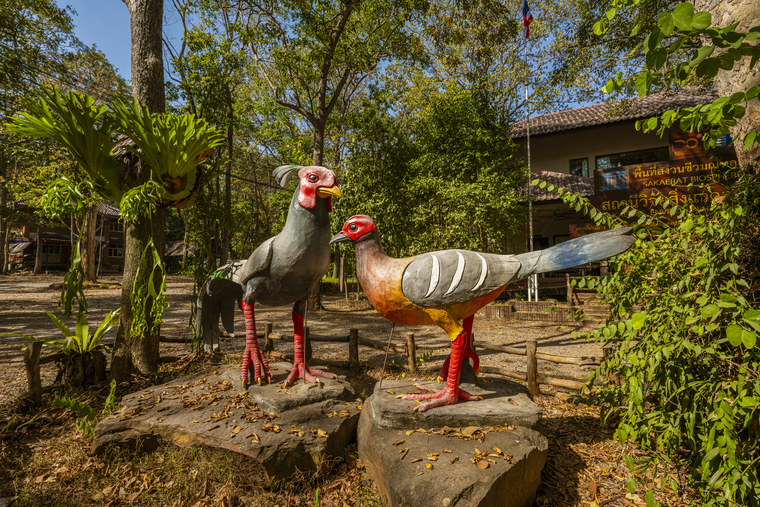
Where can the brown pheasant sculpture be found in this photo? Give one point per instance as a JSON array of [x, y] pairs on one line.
[[449, 286]]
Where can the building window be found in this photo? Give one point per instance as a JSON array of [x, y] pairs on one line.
[[116, 226], [51, 249], [116, 252], [633, 158], [579, 167]]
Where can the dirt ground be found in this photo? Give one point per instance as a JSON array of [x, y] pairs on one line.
[[585, 465]]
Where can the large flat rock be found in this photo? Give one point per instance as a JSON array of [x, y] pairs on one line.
[[208, 409], [398, 463], [504, 403]]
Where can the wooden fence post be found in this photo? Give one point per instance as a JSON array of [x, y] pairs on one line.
[[353, 349], [32, 363], [531, 347], [411, 349], [307, 344], [569, 289], [268, 342]]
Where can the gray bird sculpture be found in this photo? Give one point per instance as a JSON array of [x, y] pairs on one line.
[[279, 272]]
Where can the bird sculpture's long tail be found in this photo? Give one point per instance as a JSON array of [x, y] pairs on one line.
[[576, 252]]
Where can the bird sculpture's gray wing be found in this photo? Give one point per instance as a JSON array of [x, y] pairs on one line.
[[219, 296], [456, 276], [257, 262]]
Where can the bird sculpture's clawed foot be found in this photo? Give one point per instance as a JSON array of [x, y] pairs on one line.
[[439, 397], [306, 372], [254, 356], [467, 353]]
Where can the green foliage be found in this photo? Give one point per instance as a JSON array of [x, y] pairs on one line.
[[426, 356], [85, 129], [110, 403], [709, 49], [683, 331], [443, 178], [87, 418], [81, 341], [172, 146], [150, 262]]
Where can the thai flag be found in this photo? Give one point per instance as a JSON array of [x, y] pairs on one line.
[[527, 17]]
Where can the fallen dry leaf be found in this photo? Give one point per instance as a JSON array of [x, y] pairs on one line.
[[213, 427], [398, 443], [454, 460], [415, 460], [482, 465], [429, 466]]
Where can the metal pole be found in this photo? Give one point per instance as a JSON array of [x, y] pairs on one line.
[[382, 374], [531, 279]]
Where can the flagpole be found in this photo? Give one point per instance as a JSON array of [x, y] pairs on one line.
[[532, 280]]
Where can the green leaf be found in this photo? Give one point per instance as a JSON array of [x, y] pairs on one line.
[[748, 339], [702, 53], [642, 84], [734, 335], [750, 139], [701, 20], [666, 23], [683, 15], [710, 311]]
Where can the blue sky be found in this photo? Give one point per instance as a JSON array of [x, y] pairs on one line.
[[106, 23]]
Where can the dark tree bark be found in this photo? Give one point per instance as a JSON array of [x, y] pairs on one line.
[[740, 78], [227, 232], [140, 353], [38, 254], [4, 226], [89, 245]]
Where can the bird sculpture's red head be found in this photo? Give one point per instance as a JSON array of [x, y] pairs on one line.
[[354, 228], [316, 181]]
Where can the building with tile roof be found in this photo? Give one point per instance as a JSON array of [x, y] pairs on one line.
[[597, 152]]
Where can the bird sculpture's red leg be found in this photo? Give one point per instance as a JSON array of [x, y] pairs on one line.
[[451, 392], [468, 352], [252, 352], [300, 368]]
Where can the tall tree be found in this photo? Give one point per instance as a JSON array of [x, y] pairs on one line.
[[140, 352], [315, 57]]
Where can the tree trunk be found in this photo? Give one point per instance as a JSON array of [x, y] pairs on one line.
[[3, 224], [740, 78], [38, 253], [227, 232], [89, 245], [314, 300], [137, 353], [140, 353], [145, 20]]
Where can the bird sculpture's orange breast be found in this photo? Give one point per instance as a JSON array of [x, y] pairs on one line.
[[381, 282]]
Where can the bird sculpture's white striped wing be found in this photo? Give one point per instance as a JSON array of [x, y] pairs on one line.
[[456, 276]]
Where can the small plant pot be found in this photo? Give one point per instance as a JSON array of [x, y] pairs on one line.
[[84, 369]]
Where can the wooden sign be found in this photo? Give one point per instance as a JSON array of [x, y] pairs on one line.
[[639, 186]]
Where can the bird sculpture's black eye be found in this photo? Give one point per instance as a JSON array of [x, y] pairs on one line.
[[352, 227], [312, 178]]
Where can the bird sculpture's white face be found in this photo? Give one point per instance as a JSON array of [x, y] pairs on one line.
[[316, 181]]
